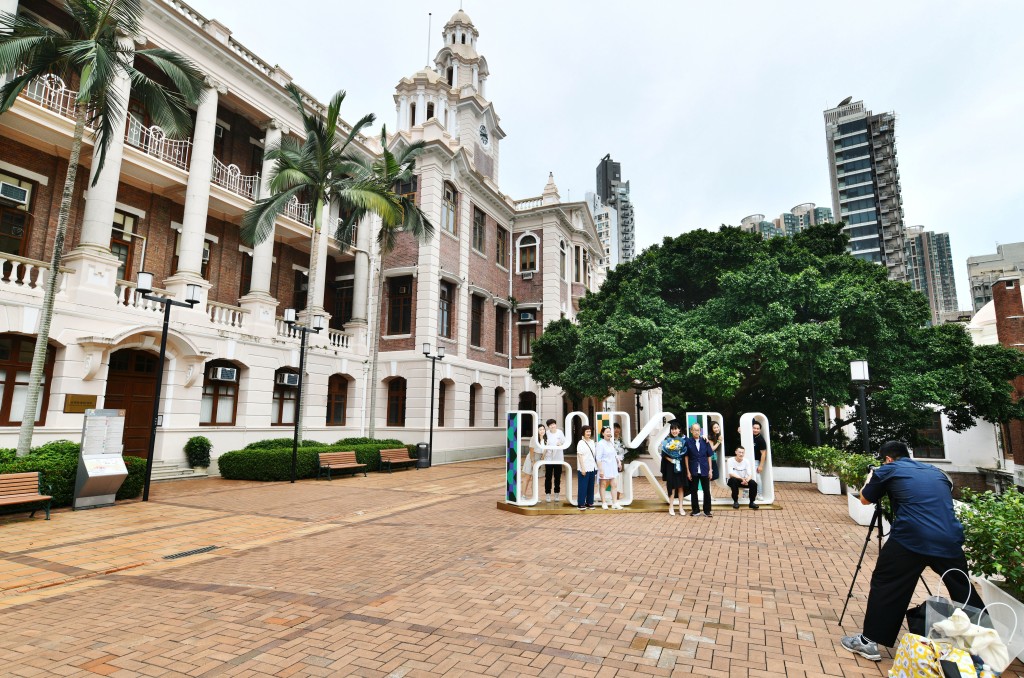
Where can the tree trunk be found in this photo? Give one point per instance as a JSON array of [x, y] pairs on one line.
[[311, 301], [375, 350], [28, 418]]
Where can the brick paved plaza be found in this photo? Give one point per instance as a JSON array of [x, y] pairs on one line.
[[417, 574]]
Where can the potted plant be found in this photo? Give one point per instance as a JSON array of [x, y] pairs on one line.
[[994, 545], [826, 460], [197, 451], [853, 471], [789, 462]]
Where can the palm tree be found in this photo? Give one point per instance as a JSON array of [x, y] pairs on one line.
[[388, 171], [91, 51], [321, 169]]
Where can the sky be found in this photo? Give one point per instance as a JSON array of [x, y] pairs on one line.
[[713, 109]]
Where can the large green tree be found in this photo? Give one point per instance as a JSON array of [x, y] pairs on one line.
[[726, 321], [91, 50]]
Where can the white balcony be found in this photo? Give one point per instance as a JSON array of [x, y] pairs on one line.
[[231, 178]]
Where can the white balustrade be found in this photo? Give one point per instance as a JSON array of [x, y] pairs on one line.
[[225, 314], [153, 142], [528, 203], [299, 211], [231, 178], [286, 330], [28, 274], [338, 339], [127, 295]]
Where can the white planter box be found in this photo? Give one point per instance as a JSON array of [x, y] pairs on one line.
[[1002, 618], [792, 474], [862, 514], [829, 485]]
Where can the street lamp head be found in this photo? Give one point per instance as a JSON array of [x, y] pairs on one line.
[[144, 282], [426, 350], [289, 316], [318, 323], [192, 294], [440, 351], [859, 371]]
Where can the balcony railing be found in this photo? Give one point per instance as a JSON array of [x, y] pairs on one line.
[[50, 92], [353, 235], [299, 211], [127, 295], [28, 274], [338, 339], [231, 178], [153, 142], [226, 315]]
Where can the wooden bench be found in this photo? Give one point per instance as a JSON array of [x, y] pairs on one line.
[[339, 461], [24, 488], [398, 456]]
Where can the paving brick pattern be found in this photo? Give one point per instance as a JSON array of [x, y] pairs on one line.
[[417, 574]]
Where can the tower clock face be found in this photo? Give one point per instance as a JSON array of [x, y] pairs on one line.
[[484, 137]]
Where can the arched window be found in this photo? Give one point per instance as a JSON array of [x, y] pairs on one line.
[[463, 38], [528, 253], [474, 401], [499, 400], [430, 110], [451, 75], [412, 114], [337, 400], [220, 394], [527, 401], [286, 392], [449, 207], [396, 402], [442, 402], [15, 366]]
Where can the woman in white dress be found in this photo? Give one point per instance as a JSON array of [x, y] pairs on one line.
[[535, 454], [608, 468]]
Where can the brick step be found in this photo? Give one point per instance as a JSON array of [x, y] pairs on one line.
[[167, 471]]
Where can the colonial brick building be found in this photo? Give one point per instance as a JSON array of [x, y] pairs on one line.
[[497, 270]]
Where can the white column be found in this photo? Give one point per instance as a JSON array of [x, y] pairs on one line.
[[361, 284], [421, 109], [98, 217], [320, 256], [476, 76], [197, 192], [263, 253]]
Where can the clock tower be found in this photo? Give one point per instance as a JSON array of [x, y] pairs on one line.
[[449, 101]]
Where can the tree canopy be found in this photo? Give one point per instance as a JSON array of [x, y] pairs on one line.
[[729, 322]]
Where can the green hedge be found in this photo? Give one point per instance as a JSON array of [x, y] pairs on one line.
[[277, 443], [275, 464], [57, 462]]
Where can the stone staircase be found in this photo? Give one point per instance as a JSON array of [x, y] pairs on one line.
[[164, 470]]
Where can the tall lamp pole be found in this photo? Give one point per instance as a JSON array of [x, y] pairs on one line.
[[145, 287], [303, 330], [433, 373], [859, 376]]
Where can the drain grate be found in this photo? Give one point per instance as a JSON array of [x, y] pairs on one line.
[[193, 552]]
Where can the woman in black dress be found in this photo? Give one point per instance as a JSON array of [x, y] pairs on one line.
[[673, 468]]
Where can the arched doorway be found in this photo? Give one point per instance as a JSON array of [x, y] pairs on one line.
[[131, 385]]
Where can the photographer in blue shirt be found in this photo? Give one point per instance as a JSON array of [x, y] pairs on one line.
[[925, 533]]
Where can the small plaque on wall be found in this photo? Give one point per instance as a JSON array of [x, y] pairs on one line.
[[78, 403]]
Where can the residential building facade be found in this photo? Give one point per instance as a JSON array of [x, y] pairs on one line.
[[606, 220], [614, 193], [930, 265], [788, 223], [865, 182], [496, 270], [985, 270]]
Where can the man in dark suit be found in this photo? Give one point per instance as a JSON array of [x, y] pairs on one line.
[[698, 468]]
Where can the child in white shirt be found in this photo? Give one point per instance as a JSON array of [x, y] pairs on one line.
[[608, 468], [741, 474]]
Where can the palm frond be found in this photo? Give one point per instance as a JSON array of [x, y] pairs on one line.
[[187, 77], [125, 15], [258, 221], [167, 108]]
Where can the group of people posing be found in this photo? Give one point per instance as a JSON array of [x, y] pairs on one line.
[[687, 465]]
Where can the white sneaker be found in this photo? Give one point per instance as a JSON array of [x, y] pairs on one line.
[[557, 500], [671, 511], [547, 498], [617, 506]]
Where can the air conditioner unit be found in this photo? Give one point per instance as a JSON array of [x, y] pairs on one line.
[[13, 195], [527, 316], [288, 379], [528, 275], [206, 256], [218, 131], [224, 374]]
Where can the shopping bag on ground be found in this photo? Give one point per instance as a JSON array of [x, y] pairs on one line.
[[936, 608], [919, 657]]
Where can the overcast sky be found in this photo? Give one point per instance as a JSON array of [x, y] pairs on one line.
[[713, 109]]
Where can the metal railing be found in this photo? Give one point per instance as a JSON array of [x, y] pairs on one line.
[[153, 142], [231, 178], [299, 211]]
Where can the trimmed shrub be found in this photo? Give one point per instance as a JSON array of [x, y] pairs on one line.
[[278, 443], [385, 443], [57, 462], [275, 464], [197, 451], [789, 453]]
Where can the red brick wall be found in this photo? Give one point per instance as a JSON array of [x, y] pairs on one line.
[[406, 344], [485, 273], [405, 253], [1010, 329]]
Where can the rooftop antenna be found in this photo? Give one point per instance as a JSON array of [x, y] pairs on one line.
[[429, 17]]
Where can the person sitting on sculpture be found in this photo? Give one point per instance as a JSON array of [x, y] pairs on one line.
[[535, 454], [740, 473]]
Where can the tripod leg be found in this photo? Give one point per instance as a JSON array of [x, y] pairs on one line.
[[867, 539]]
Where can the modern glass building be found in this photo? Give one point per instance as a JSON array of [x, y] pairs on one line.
[[930, 266], [865, 182]]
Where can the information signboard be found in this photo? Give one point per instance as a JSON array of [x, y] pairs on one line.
[[101, 468]]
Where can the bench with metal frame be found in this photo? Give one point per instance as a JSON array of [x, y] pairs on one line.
[[24, 488], [339, 461], [399, 456]]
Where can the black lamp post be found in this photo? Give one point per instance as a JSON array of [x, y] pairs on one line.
[[859, 376], [433, 373], [144, 287], [318, 324]]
